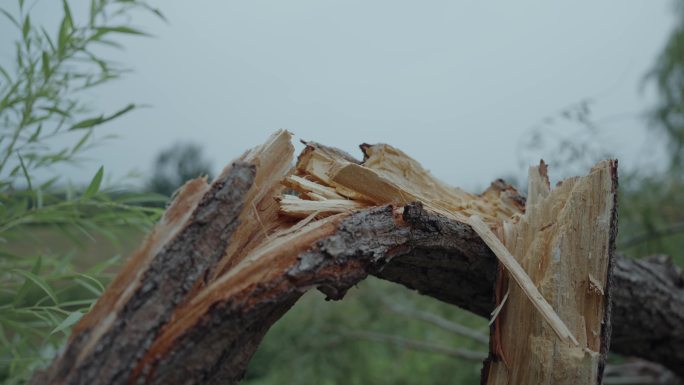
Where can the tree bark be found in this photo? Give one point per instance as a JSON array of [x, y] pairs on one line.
[[107, 345], [648, 295], [183, 311], [424, 251], [648, 311]]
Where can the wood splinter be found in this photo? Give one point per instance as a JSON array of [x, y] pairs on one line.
[[560, 253], [522, 279], [231, 257]]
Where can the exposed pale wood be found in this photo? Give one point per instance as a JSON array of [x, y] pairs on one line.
[[293, 206], [260, 216], [564, 243], [122, 287], [207, 229], [192, 306], [521, 278], [306, 186], [317, 161], [229, 318], [389, 176], [499, 202]]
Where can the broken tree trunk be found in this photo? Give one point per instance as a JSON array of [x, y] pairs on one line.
[[565, 243], [227, 260]]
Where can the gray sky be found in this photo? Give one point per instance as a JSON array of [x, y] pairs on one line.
[[456, 84]]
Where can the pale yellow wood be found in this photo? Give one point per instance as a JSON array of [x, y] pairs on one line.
[[521, 278], [300, 208], [562, 243], [389, 176], [307, 186], [261, 216], [317, 161]]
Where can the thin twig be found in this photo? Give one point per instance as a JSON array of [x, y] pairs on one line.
[[405, 343], [659, 233], [632, 380], [438, 321]]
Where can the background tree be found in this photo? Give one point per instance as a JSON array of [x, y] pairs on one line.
[[668, 75], [176, 165], [652, 204]]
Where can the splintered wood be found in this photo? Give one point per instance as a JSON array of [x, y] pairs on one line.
[[522, 279], [563, 242], [229, 258], [551, 329], [325, 177], [208, 230]]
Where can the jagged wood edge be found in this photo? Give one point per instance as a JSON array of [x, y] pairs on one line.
[[437, 256], [179, 266]]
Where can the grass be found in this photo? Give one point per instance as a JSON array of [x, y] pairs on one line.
[[89, 250]]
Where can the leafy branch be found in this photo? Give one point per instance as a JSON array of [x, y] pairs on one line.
[[42, 98]]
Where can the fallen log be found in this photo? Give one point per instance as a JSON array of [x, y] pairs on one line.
[[227, 260], [636, 371]]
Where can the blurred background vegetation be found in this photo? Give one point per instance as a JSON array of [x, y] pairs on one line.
[[61, 243]]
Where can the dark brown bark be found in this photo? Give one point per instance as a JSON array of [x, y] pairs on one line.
[[648, 311], [98, 354], [423, 251], [648, 295], [216, 347], [437, 256]]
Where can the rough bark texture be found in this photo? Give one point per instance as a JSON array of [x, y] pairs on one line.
[[648, 295], [105, 350], [424, 251], [215, 347], [193, 304], [648, 311], [446, 260]]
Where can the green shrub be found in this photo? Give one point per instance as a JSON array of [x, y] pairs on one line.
[[41, 103]]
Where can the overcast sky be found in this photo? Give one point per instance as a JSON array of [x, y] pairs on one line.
[[456, 84]]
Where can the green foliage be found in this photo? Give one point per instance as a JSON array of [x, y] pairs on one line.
[[176, 165], [651, 204], [41, 299], [315, 342], [652, 215], [41, 99], [668, 75]]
